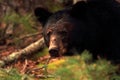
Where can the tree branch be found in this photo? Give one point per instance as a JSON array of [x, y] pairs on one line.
[[26, 51]]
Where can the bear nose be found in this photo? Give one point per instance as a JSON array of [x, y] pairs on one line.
[[54, 52]]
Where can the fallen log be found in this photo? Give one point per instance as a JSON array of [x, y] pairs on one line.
[[26, 51]]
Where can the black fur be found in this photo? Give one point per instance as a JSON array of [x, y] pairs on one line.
[[96, 26]]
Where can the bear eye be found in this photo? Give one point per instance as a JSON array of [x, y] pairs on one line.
[[63, 32], [48, 33]]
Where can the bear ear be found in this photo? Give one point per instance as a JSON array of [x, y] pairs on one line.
[[79, 9], [42, 15]]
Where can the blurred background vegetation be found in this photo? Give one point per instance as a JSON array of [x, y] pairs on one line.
[[19, 28], [17, 19]]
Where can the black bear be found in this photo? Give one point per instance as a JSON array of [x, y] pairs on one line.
[[93, 25]]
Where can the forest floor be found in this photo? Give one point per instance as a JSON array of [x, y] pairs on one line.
[[40, 66], [25, 64]]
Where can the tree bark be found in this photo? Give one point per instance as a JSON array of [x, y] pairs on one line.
[[26, 51]]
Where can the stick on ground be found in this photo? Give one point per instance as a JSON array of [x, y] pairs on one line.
[[26, 51]]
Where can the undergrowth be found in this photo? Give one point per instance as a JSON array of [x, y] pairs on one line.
[[83, 68], [78, 67], [12, 74]]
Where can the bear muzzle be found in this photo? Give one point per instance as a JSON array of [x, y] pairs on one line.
[[54, 52], [53, 46]]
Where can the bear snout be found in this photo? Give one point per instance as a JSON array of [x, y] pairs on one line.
[[54, 52], [54, 46]]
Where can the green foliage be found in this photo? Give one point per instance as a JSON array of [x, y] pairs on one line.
[[12, 74], [53, 6], [40, 53], [21, 25], [79, 68], [26, 20], [69, 68], [115, 77], [86, 56]]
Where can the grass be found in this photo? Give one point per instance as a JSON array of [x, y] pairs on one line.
[[12, 74], [78, 67], [27, 21], [82, 68]]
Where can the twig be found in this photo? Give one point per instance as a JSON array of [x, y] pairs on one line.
[[25, 66], [29, 35]]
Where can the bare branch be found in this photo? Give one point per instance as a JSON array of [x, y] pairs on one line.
[[26, 51]]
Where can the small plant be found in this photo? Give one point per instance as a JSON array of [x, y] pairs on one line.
[[18, 25], [12, 74], [53, 6], [79, 68], [26, 20]]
